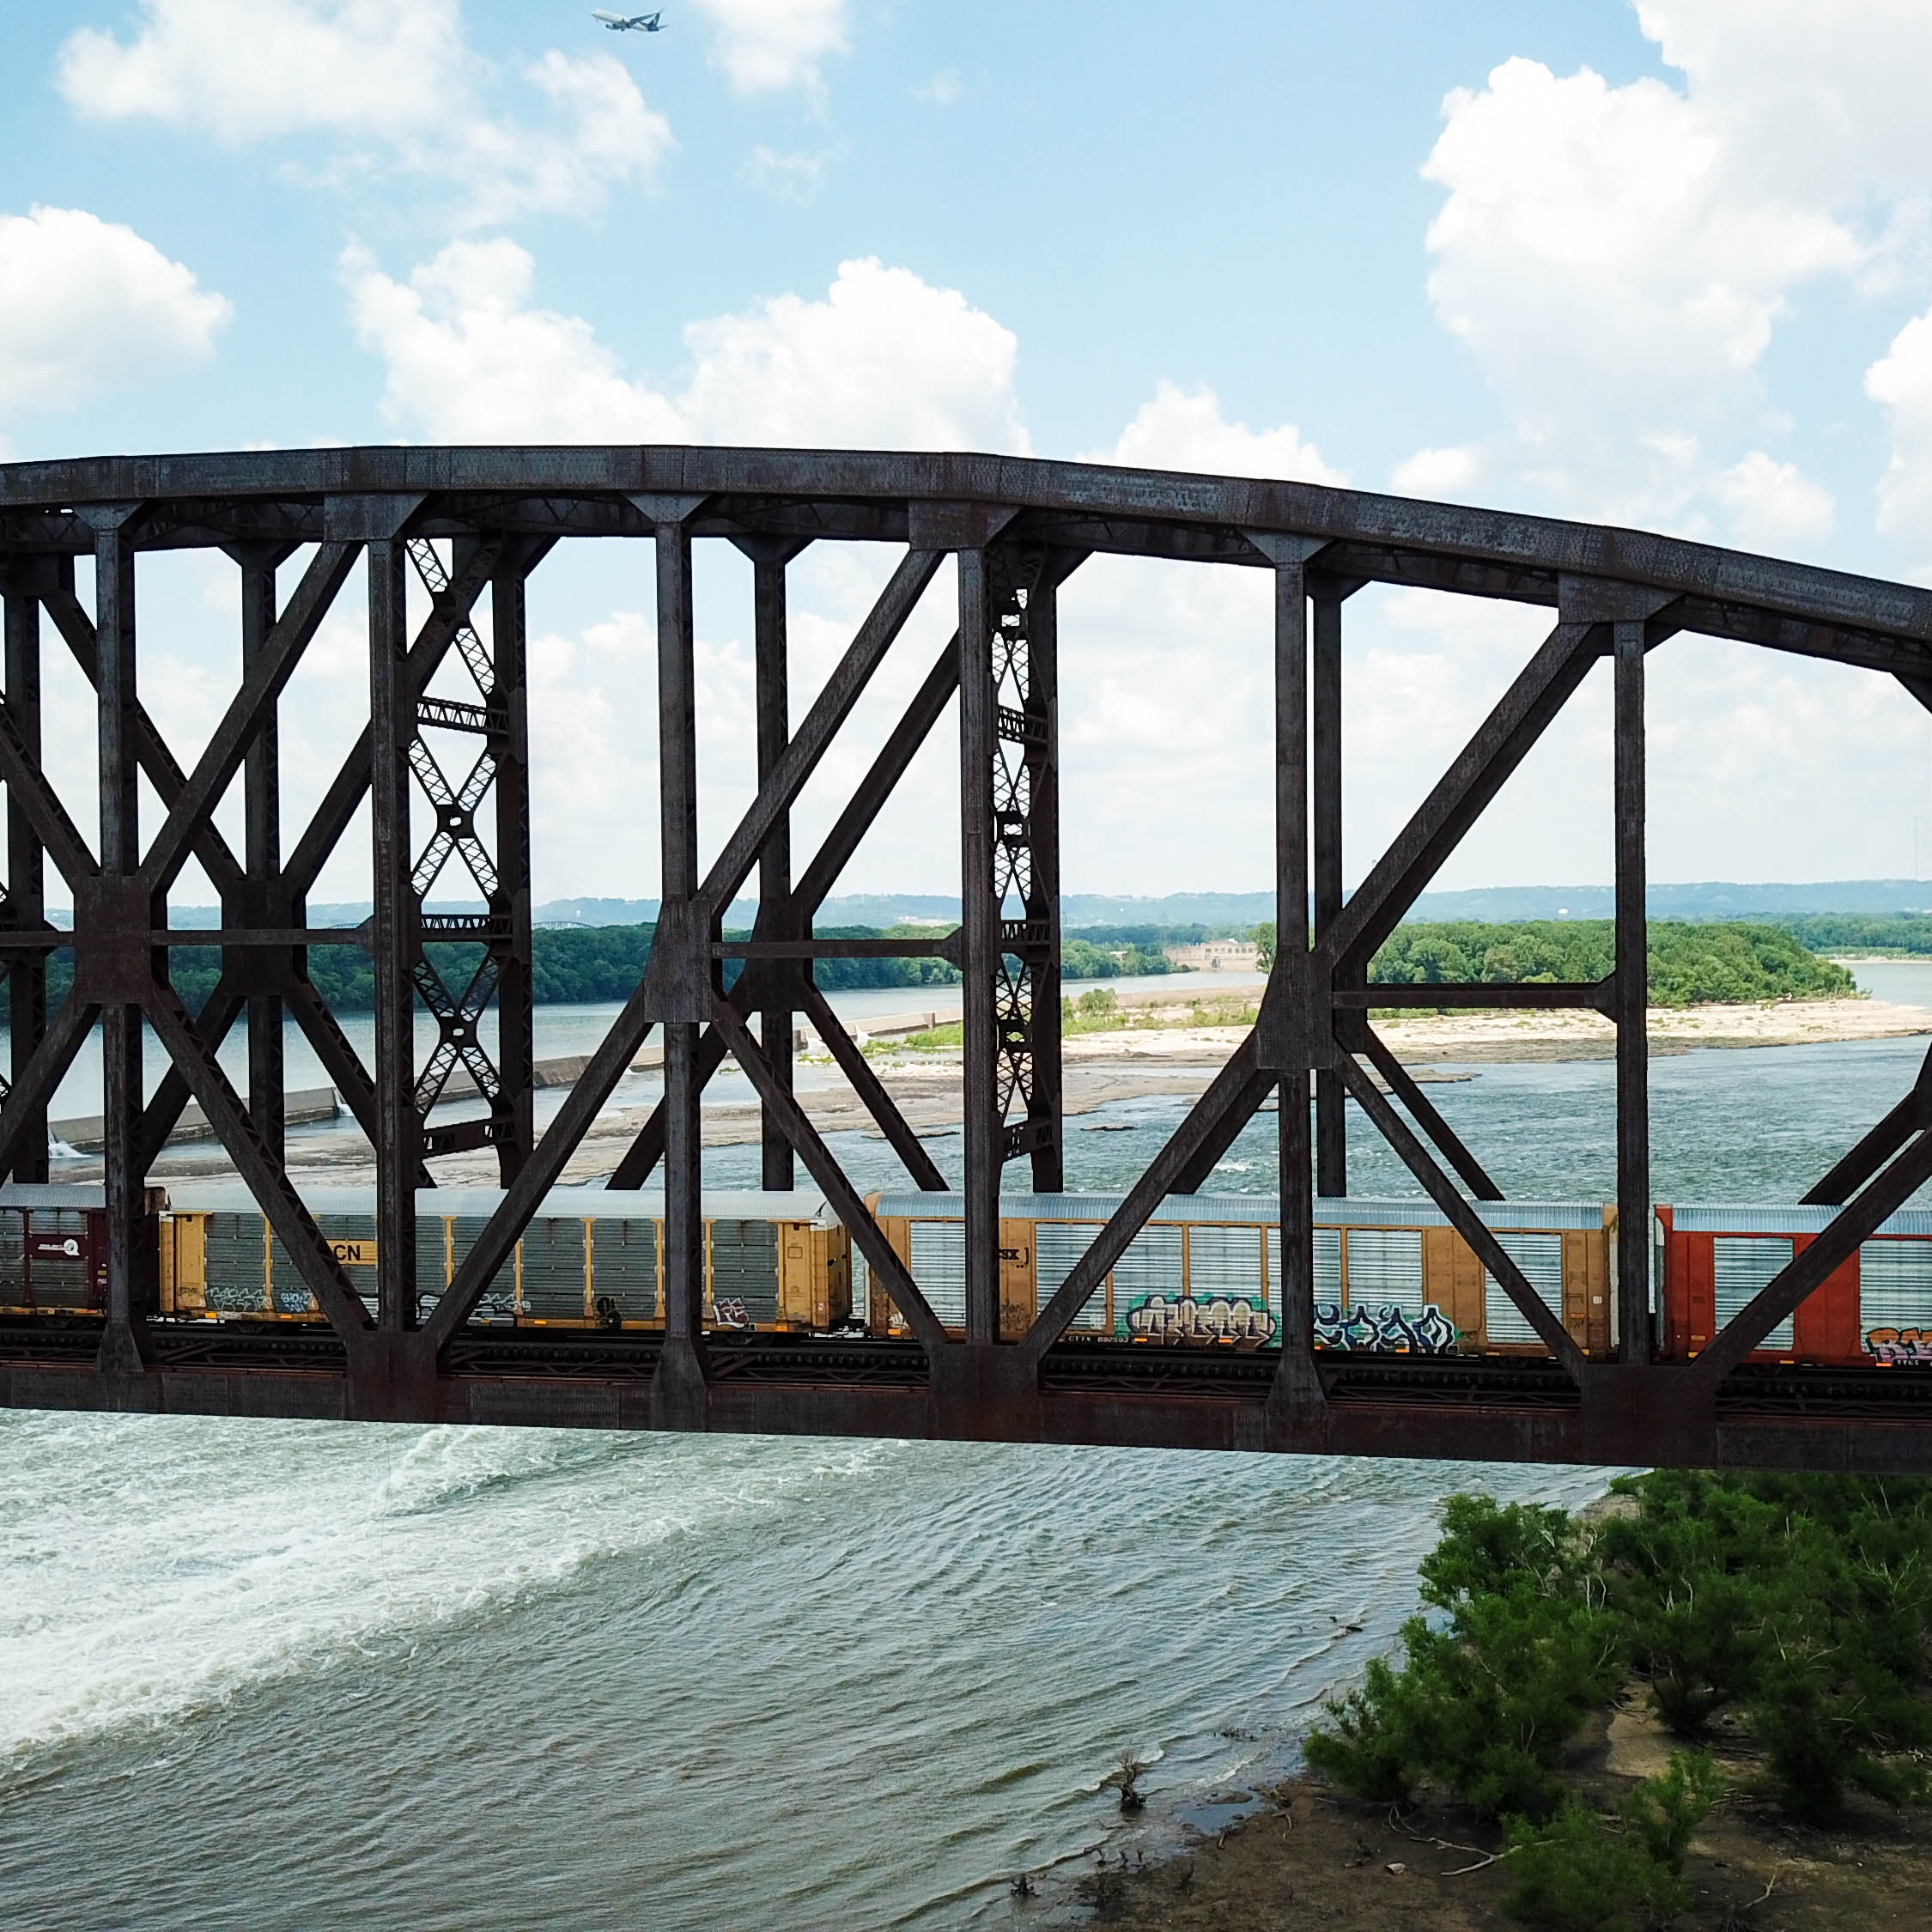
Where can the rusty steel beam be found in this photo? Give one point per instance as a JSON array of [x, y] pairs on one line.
[[1088, 1395], [738, 483], [25, 881], [1507, 1276], [1584, 995], [771, 656], [1423, 1110]]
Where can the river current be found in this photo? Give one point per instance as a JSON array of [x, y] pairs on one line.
[[283, 1676]]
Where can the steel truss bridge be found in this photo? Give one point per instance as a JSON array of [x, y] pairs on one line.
[[468, 520]]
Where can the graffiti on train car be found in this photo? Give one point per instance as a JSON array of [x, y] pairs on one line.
[[1219, 1318], [733, 1313], [1386, 1328], [1903, 1347]]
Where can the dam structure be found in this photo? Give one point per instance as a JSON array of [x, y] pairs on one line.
[[443, 769]]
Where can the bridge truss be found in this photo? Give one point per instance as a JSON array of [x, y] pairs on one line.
[[465, 521]]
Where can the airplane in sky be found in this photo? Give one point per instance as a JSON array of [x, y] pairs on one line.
[[629, 23]]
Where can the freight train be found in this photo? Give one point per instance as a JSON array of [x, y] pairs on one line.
[[1391, 1276]]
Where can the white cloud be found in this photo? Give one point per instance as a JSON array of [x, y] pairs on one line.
[[885, 359], [1774, 506], [1618, 259], [942, 90], [90, 304], [249, 70], [390, 78], [1816, 106], [1615, 273], [1184, 429], [766, 46], [1437, 472], [466, 361], [794, 178], [1900, 382]]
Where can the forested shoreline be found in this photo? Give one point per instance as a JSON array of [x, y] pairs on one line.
[[588, 965], [1691, 963], [1906, 935]]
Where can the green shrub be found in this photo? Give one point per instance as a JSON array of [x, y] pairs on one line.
[[1662, 1813], [1806, 1603], [1821, 1736], [1807, 1600], [1369, 1750], [1578, 1873], [1482, 1708], [1487, 1551]]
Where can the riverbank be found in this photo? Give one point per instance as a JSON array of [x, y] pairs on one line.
[[1156, 1053], [1771, 1776], [1313, 1855]]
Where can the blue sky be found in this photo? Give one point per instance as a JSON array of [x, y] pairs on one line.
[[1662, 264]]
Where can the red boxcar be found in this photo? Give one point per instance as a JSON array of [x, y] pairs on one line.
[[1875, 1309]]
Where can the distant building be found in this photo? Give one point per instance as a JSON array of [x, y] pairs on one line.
[[1217, 956]]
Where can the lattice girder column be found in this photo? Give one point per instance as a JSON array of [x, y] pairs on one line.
[[497, 720]]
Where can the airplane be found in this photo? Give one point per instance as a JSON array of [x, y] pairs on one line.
[[630, 24]]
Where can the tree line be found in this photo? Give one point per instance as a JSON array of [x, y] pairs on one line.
[[1691, 963], [1909, 935], [589, 965]]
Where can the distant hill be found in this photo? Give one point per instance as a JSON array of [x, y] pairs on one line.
[[1716, 900], [1878, 897]]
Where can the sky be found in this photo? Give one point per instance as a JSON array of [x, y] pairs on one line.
[[1664, 264]]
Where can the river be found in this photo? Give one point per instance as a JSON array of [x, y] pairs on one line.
[[283, 1676]]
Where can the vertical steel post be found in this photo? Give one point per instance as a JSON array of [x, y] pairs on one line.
[[1331, 1107], [774, 861], [124, 1346], [516, 1046], [980, 950], [681, 1372], [396, 936], [1039, 709], [1633, 1002], [261, 781], [27, 975], [1291, 879]]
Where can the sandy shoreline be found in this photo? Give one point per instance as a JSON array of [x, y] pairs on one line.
[[1137, 1062], [1674, 1030]]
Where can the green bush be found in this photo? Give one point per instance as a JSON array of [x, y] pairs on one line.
[[1369, 1750], [1579, 1873], [1662, 1813], [1483, 1705], [1489, 1550], [1803, 1603]]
